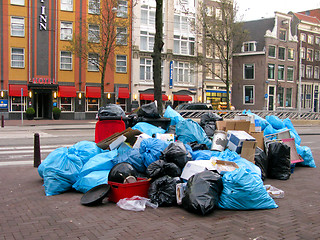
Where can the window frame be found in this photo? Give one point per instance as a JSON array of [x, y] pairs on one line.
[[65, 25], [18, 103], [310, 39], [149, 36], [250, 46], [119, 67], [66, 5], [122, 9], [309, 71], [65, 63], [146, 70], [71, 104], [94, 7], [17, 24], [316, 72], [92, 59], [287, 105], [17, 54], [303, 37], [244, 71], [274, 69], [95, 105], [282, 72], [290, 67], [291, 50], [17, 2], [183, 73], [183, 45], [244, 95], [285, 34], [283, 49], [122, 36], [93, 33], [310, 54], [275, 51]]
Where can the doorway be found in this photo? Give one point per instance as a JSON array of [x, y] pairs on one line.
[[42, 102], [271, 98]]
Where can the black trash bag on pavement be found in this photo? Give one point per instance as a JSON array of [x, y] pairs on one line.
[[261, 160], [161, 168], [177, 153], [111, 110], [163, 191], [203, 192], [279, 164], [208, 122], [149, 110], [197, 146], [121, 171]]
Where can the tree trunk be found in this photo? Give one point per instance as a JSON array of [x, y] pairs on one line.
[[102, 98], [158, 44]]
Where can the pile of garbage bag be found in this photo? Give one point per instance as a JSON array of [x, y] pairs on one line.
[[179, 167]]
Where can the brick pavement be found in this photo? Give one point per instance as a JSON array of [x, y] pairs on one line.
[[26, 213]]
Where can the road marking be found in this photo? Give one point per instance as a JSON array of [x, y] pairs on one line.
[[16, 163]]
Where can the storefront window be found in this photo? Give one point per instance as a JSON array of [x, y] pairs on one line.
[[280, 96], [289, 97], [248, 94], [92, 104], [16, 104], [66, 104]]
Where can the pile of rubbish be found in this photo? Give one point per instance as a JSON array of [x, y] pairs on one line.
[[217, 164]]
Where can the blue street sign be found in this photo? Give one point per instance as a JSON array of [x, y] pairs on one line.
[[171, 75], [266, 95], [4, 103]]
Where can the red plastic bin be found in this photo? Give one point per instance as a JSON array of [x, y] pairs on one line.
[[126, 190]]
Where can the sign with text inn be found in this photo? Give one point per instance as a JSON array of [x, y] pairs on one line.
[[42, 17]]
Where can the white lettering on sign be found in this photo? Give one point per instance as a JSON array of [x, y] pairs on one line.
[[43, 17], [43, 81]]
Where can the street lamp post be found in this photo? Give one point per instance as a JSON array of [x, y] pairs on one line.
[[300, 73]]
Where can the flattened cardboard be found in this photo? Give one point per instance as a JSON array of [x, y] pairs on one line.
[[248, 150], [259, 138]]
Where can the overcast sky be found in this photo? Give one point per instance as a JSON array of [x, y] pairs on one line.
[[256, 9]]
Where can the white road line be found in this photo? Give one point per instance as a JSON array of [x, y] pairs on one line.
[[16, 163], [31, 147]]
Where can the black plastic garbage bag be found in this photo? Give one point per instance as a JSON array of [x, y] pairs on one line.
[[202, 193], [163, 191], [279, 165], [111, 110], [177, 153], [197, 146], [261, 160], [209, 117], [121, 171], [161, 168], [209, 129], [149, 110]]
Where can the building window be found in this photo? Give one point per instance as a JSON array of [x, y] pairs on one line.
[[270, 71], [249, 47], [94, 33], [303, 37], [122, 36], [66, 5], [93, 62], [310, 55], [146, 73], [289, 97], [248, 71], [148, 15], [272, 51], [248, 93], [317, 55], [183, 45], [15, 104], [283, 35], [280, 72], [66, 31], [17, 26], [122, 9], [310, 39], [146, 41], [94, 7], [290, 54], [92, 104], [303, 53], [121, 64], [17, 2], [65, 60], [66, 104], [318, 40], [280, 96], [316, 72], [282, 53], [309, 71], [290, 73], [302, 70], [183, 72], [17, 57]]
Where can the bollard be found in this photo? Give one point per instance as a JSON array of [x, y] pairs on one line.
[[37, 155], [2, 121]]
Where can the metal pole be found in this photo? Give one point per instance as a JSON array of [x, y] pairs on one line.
[[22, 106], [299, 86], [36, 155], [2, 121]]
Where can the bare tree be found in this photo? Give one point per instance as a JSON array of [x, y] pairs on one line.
[[99, 35], [218, 31]]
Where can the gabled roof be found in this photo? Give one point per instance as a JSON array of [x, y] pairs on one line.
[[306, 18], [312, 13]]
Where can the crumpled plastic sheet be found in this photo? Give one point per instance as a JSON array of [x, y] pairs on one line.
[[136, 203]]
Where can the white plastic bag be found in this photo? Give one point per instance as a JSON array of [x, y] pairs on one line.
[[274, 192], [135, 203]]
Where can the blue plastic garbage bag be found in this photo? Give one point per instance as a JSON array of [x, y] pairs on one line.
[[306, 154], [201, 154], [102, 161], [190, 131], [95, 178], [293, 133], [59, 171], [247, 165], [150, 150], [84, 150], [133, 156], [243, 191], [148, 128], [275, 122], [173, 115]]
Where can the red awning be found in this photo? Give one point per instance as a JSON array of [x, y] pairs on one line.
[[93, 92], [150, 97], [123, 92], [184, 98], [15, 90], [67, 91]]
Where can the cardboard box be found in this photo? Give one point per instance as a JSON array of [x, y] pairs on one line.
[[248, 150], [236, 139], [259, 138], [245, 117], [194, 167], [240, 125], [167, 137]]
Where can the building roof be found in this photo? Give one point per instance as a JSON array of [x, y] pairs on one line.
[[257, 30], [307, 18], [312, 13]]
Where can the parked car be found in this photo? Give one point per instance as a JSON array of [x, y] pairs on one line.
[[194, 106]]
